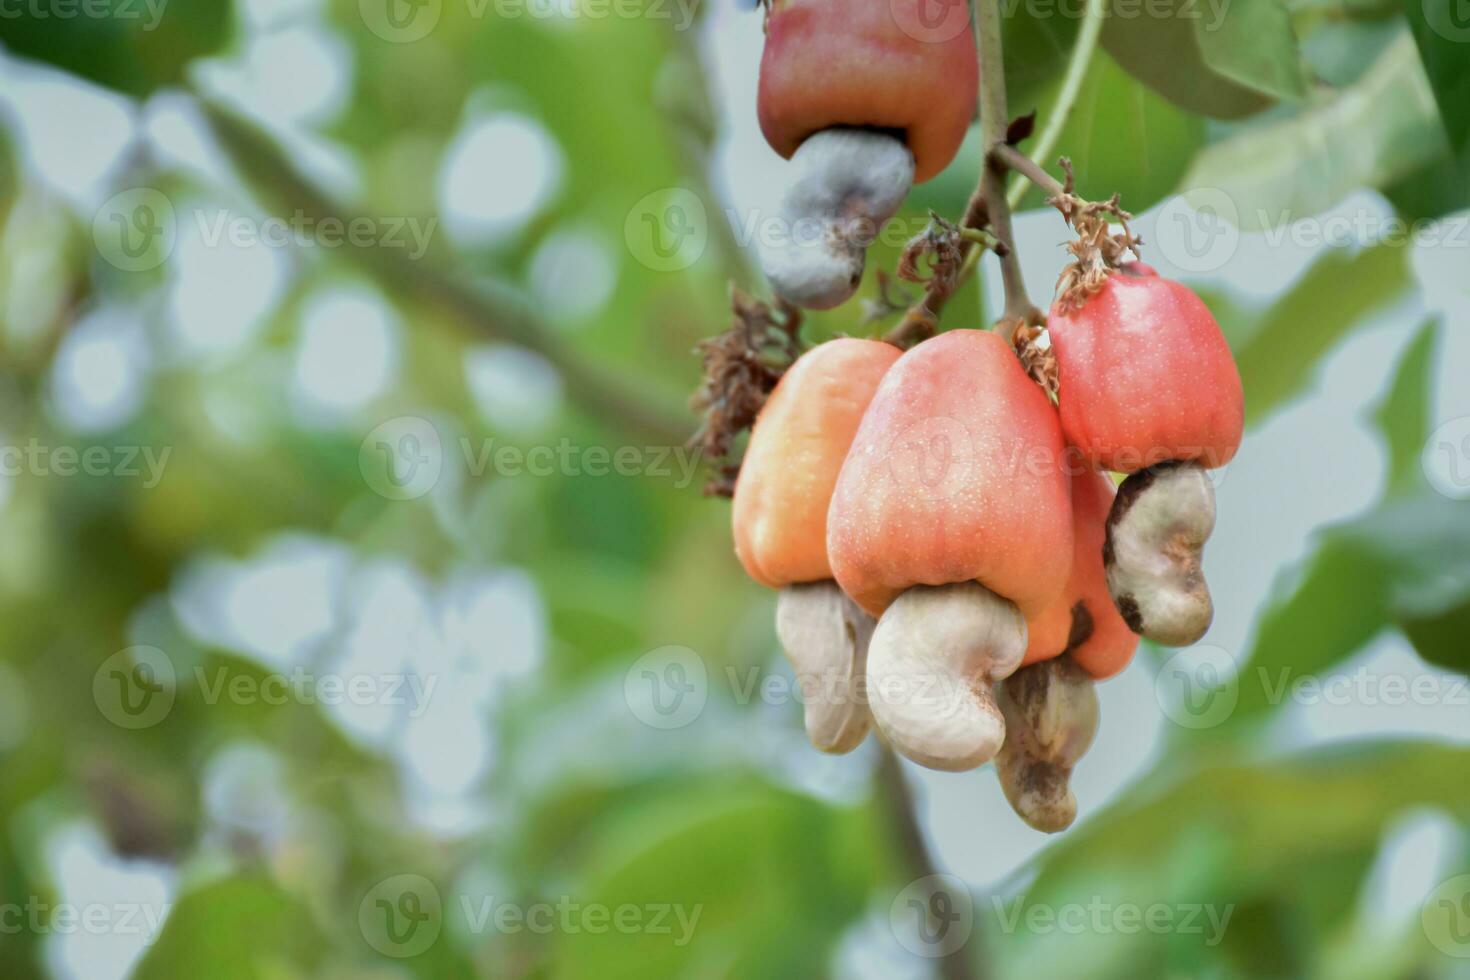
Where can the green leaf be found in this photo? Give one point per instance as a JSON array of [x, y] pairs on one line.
[[1124, 138], [1278, 352], [1403, 415], [1227, 61], [1037, 49], [1407, 561], [235, 929], [1442, 34], [1254, 46], [760, 869], [1220, 840], [135, 48], [1369, 135], [1439, 188]]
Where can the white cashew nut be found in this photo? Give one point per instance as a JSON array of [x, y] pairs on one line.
[[845, 183], [934, 656], [1157, 531], [825, 635], [1051, 714]]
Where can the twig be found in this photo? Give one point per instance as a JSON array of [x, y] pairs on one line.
[[994, 123], [598, 392], [1014, 159], [896, 799]]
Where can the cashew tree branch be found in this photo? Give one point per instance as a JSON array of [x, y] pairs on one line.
[[485, 310], [898, 801], [994, 121]]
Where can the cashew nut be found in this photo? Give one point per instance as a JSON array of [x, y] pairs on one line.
[[825, 636], [1051, 715], [933, 658], [845, 183], [1157, 531]]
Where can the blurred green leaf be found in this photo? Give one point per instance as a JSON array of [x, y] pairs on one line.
[[1438, 188], [1406, 561], [1227, 62], [235, 929], [1123, 138], [757, 866], [1221, 841], [1403, 415], [1037, 49], [132, 46], [1254, 46], [1442, 33], [1369, 135], [1278, 350]]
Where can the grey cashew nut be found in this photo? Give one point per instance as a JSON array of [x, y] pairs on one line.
[[1051, 714], [934, 656], [1156, 536], [825, 635], [845, 183]]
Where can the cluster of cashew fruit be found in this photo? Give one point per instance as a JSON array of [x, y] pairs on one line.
[[862, 110], [955, 566]]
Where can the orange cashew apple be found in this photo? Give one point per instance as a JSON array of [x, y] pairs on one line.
[[791, 464], [951, 522], [1148, 387]]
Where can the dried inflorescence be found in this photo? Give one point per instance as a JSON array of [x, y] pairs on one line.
[[1096, 251], [1039, 360], [935, 255], [741, 368]]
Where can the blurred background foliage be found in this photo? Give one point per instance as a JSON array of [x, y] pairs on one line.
[[535, 315]]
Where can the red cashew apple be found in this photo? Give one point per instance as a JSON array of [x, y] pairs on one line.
[[863, 97], [951, 520], [1083, 622], [851, 63], [1145, 375], [791, 464], [1148, 387]]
